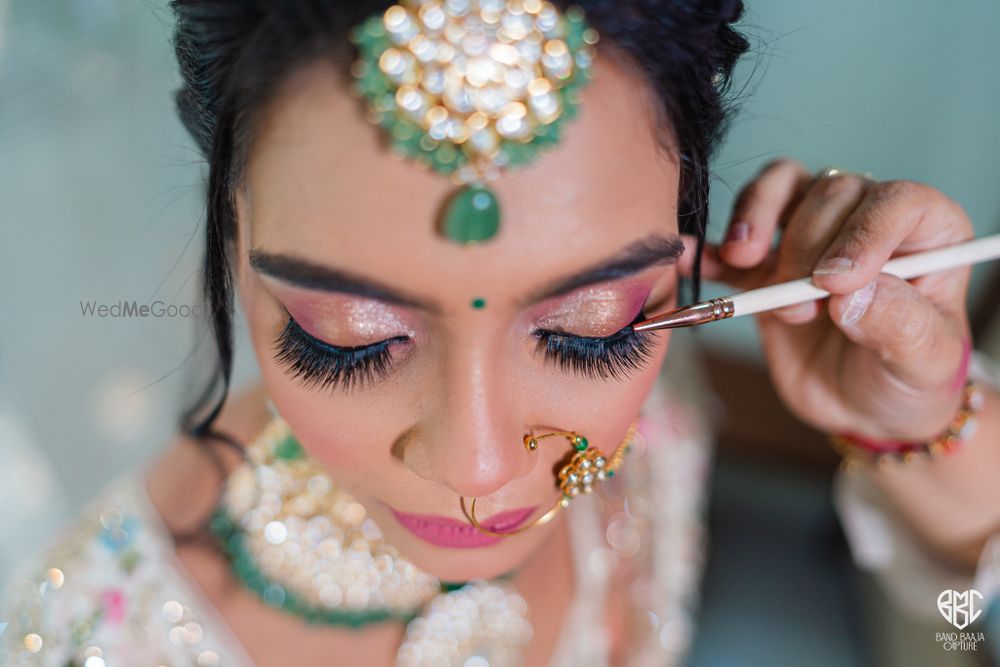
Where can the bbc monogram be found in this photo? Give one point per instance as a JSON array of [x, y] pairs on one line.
[[960, 608]]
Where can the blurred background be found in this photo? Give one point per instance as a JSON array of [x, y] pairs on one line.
[[101, 201]]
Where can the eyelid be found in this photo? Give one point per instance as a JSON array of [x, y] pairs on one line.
[[353, 321], [565, 334], [341, 348], [624, 331], [594, 312]]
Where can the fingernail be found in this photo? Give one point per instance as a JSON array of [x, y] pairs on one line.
[[738, 232], [835, 266], [858, 304]]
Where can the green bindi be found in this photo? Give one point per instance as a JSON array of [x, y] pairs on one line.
[[479, 303]]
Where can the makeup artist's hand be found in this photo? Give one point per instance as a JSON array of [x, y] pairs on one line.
[[880, 357]]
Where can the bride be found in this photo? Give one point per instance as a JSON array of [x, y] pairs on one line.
[[441, 220]]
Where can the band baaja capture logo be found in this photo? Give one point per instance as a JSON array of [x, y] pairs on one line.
[[960, 609]]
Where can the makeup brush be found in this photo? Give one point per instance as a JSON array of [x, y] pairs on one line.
[[803, 289]]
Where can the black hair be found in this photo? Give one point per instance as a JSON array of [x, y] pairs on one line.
[[234, 54]]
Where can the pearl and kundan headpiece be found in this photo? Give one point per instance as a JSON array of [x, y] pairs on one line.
[[472, 87]]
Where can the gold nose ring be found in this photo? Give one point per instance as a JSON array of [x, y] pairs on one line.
[[586, 468]]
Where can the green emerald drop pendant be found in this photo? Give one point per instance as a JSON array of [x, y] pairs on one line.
[[471, 216]]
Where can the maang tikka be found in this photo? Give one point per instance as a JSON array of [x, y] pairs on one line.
[[472, 87]]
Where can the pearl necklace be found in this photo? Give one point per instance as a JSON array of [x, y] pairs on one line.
[[309, 548]]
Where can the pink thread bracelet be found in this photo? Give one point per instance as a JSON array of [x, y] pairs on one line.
[[855, 448]]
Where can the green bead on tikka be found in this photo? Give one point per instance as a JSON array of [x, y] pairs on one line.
[[580, 443], [472, 215]]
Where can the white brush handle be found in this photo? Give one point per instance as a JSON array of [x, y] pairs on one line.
[[911, 266]]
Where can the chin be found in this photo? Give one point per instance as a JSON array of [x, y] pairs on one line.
[[457, 565]]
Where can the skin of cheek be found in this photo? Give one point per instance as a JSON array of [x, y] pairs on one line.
[[339, 428], [305, 183], [604, 409], [311, 412]]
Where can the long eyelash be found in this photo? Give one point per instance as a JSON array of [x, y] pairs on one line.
[[615, 356], [324, 366]]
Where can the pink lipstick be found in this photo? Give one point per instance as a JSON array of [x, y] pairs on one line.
[[444, 531]]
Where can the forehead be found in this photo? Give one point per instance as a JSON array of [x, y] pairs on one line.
[[323, 185]]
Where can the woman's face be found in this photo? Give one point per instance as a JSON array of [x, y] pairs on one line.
[[389, 376]]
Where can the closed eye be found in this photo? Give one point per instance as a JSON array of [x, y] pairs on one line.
[[319, 364], [615, 356]]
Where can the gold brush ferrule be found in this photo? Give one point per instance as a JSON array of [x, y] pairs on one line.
[[689, 316]]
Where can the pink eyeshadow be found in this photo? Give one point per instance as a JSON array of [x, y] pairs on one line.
[[345, 320], [596, 311]]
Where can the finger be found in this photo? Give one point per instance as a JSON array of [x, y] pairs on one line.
[[760, 209], [800, 313], [946, 290], [918, 343], [895, 217], [815, 222]]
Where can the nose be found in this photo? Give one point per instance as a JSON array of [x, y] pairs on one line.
[[471, 438]]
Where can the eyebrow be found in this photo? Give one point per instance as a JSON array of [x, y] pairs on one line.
[[654, 250], [639, 255], [305, 274]]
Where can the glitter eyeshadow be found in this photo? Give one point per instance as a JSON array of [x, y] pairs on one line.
[[346, 321], [597, 311]]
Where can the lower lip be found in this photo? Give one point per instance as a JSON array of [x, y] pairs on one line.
[[446, 532]]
